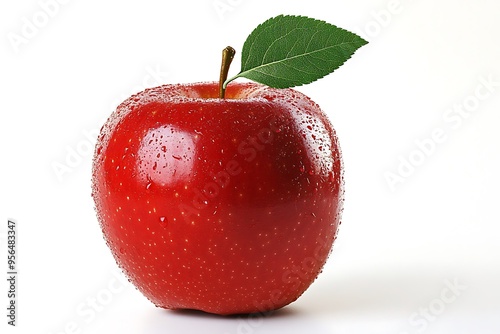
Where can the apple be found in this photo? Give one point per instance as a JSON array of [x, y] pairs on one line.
[[227, 206], [228, 198]]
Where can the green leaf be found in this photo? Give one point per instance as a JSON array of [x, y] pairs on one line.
[[289, 51]]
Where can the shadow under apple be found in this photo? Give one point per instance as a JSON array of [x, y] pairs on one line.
[[349, 299]]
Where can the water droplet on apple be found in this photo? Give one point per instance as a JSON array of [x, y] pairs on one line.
[[331, 176], [163, 222], [164, 149]]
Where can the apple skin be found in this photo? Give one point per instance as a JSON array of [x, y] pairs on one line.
[[228, 206]]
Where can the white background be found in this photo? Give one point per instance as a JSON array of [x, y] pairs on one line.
[[399, 247]]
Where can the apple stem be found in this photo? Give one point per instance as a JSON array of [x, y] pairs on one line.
[[227, 58]]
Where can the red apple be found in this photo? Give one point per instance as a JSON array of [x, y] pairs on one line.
[[221, 205]]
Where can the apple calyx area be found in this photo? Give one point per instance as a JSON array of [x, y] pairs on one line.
[[227, 57]]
